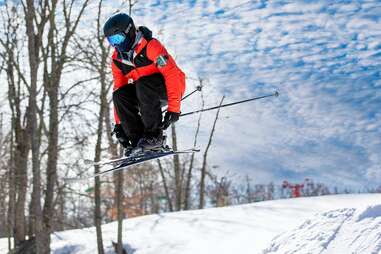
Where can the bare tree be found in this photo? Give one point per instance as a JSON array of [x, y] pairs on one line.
[[142, 190], [165, 186], [219, 191], [97, 196], [4, 185], [35, 27], [20, 140], [131, 4], [191, 164], [102, 112], [177, 171], [37, 16], [57, 50], [203, 168]]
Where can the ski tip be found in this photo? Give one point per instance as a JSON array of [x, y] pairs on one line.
[[190, 150]]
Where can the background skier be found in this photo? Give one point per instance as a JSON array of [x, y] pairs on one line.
[[145, 77]]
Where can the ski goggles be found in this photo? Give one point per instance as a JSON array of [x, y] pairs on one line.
[[116, 39]]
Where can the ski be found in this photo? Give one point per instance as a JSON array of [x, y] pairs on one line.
[[125, 162], [105, 162]]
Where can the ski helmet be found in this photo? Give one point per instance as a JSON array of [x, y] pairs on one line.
[[120, 31]]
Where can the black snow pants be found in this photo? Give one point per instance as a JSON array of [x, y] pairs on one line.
[[138, 106]]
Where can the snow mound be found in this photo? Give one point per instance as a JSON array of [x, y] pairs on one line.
[[337, 224], [347, 230], [244, 229]]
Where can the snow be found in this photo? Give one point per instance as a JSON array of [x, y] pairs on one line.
[[347, 230], [329, 224], [3, 245]]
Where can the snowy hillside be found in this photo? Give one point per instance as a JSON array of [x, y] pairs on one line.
[[306, 225], [347, 230]]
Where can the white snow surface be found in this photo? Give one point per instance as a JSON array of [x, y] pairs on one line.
[[338, 224], [346, 230]]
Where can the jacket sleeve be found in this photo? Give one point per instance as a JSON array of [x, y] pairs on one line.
[[117, 75], [118, 82], [173, 76]]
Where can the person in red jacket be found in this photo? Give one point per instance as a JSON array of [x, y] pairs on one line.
[[146, 77]]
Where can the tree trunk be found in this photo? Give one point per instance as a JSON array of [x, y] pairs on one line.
[[20, 140], [177, 169], [119, 203], [189, 175], [58, 58], [97, 192], [118, 183], [34, 44], [203, 168], [98, 213], [168, 197], [51, 171], [11, 194]]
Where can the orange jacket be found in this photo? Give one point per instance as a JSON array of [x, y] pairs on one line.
[[147, 60]]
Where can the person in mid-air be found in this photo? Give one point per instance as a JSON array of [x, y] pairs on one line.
[[145, 78]]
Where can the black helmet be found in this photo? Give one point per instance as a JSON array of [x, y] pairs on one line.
[[121, 23]]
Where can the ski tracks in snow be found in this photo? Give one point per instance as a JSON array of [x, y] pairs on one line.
[[349, 230]]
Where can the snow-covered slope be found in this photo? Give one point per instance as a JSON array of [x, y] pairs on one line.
[[332, 224], [3, 245], [347, 230], [307, 222]]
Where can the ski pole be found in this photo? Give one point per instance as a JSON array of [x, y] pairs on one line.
[[276, 94], [198, 88]]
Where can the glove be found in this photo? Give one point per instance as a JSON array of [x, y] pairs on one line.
[[120, 135], [169, 118]]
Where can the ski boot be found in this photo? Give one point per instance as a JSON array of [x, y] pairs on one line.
[[151, 142], [129, 149]]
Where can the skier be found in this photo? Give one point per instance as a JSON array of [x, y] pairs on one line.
[[146, 77]]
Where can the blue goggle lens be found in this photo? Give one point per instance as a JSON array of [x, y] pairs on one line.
[[116, 39]]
